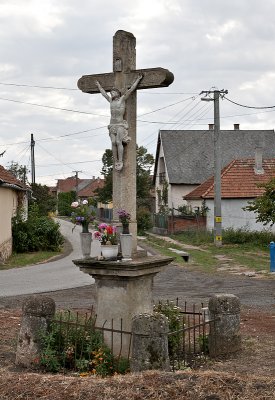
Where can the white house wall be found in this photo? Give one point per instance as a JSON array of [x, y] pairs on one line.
[[233, 216], [177, 192], [158, 184]]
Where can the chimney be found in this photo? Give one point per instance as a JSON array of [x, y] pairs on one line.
[[258, 168], [211, 127], [236, 127]]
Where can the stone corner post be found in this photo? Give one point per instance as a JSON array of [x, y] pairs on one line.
[[150, 343], [38, 312], [224, 336]]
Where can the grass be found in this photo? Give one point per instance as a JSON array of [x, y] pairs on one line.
[[250, 256], [23, 259]]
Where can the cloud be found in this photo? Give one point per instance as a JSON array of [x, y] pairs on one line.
[[206, 43]]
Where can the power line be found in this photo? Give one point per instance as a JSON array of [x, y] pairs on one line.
[[70, 163], [242, 105], [76, 89], [168, 122], [36, 86], [85, 112], [61, 162], [57, 137], [170, 105], [55, 108]]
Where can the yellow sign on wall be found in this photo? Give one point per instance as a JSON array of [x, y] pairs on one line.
[[218, 219], [218, 238]]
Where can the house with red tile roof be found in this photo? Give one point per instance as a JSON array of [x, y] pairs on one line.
[[84, 187], [240, 181], [90, 189], [13, 194], [185, 158]]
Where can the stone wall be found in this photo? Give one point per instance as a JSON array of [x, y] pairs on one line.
[[5, 250]]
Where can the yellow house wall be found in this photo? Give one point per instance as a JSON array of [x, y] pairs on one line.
[[8, 206]]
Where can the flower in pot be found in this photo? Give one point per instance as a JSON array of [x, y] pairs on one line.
[[107, 234], [124, 218], [82, 214]]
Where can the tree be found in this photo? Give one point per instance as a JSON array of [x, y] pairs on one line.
[[19, 171], [144, 182], [264, 205], [64, 202], [104, 194], [45, 201]]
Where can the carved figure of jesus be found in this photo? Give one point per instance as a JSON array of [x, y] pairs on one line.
[[118, 127]]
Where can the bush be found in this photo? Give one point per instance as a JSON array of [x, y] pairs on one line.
[[64, 203], [144, 219], [35, 234], [175, 322], [243, 236], [229, 236], [73, 343]]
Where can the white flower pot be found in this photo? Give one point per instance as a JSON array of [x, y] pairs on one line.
[[109, 252], [126, 243], [95, 248], [85, 241]]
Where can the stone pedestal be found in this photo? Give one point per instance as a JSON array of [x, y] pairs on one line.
[[123, 290], [38, 312], [224, 337]]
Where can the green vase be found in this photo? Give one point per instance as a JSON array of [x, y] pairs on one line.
[[85, 227]]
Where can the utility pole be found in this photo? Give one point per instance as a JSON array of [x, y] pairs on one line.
[[76, 182], [217, 164], [32, 159]]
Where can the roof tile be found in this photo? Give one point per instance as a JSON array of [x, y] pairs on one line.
[[7, 177], [238, 180]]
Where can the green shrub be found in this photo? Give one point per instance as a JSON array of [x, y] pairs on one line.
[[35, 234], [203, 341], [229, 236], [244, 236], [175, 322], [64, 203], [144, 220], [73, 343]]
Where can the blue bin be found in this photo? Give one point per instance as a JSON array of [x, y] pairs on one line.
[[272, 256]]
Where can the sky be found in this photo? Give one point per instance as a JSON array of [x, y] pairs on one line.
[[47, 45]]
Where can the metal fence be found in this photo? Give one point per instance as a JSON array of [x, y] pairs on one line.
[[190, 341], [104, 214], [79, 343], [160, 221]]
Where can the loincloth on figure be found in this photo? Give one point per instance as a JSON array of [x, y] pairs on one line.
[[119, 132]]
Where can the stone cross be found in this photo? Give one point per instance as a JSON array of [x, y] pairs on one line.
[[122, 78]]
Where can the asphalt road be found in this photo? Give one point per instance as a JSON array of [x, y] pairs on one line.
[[49, 276], [71, 288]]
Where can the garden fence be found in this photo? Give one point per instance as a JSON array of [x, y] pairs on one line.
[[79, 340]]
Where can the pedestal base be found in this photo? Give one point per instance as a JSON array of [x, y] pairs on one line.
[[123, 290]]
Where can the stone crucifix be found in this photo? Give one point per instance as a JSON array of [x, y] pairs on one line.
[[122, 84]]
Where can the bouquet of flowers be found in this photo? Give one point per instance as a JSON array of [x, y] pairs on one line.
[[82, 215], [106, 234], [124, 218]]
